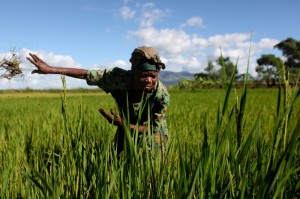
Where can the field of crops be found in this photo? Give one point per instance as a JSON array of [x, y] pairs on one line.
[[241, 145]]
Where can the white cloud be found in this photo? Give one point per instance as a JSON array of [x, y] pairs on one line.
[[117, 63], [127, 13], [150, 17], [146, 14], [227, 40], [172, 42], [183, 51], [265, 44], [194, 21]]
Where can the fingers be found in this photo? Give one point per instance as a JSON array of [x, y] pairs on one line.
[[29, 59], [116, 116], [113, 118], [33, 58], [106, 115], [103, 112], [36, 71], [112, 111]]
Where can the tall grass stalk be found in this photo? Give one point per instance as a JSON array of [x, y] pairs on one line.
[[287, 95], [221, 145]]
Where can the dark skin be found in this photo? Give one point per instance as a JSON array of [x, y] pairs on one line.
[[143, 82]]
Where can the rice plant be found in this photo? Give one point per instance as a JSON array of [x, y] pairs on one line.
[[232, 143]]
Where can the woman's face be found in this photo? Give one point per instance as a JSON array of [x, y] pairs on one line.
[[145, 80]]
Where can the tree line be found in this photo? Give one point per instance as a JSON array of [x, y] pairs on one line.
[[270, 69]]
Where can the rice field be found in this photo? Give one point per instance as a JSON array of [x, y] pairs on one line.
[[223, 143]]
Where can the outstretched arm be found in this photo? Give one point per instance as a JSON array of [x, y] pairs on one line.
[[44, 68]]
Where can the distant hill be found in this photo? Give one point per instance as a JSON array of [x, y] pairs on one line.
[[170, 78]]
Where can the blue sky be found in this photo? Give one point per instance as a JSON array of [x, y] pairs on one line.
[[101, 34]]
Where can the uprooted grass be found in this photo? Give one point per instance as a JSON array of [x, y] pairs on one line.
[[11, 66]]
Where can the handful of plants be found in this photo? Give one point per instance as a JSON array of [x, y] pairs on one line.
[[11, 67]]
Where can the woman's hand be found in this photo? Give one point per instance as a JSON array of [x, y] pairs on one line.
[[42, 67], [115, 119]]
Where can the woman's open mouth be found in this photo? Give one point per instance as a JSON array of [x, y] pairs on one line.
[[148, 87]]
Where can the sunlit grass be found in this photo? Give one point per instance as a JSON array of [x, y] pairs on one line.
[[60, 146]]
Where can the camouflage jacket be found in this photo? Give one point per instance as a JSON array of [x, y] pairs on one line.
[[152, 109]]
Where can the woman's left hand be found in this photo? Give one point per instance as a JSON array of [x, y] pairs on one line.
[[114, 119]]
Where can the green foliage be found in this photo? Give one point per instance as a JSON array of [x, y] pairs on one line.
[[222, 145], [268, 68], [228, 68], [291, 50], [217, 75]]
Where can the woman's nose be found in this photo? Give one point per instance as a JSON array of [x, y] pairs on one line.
[[148, 79]]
